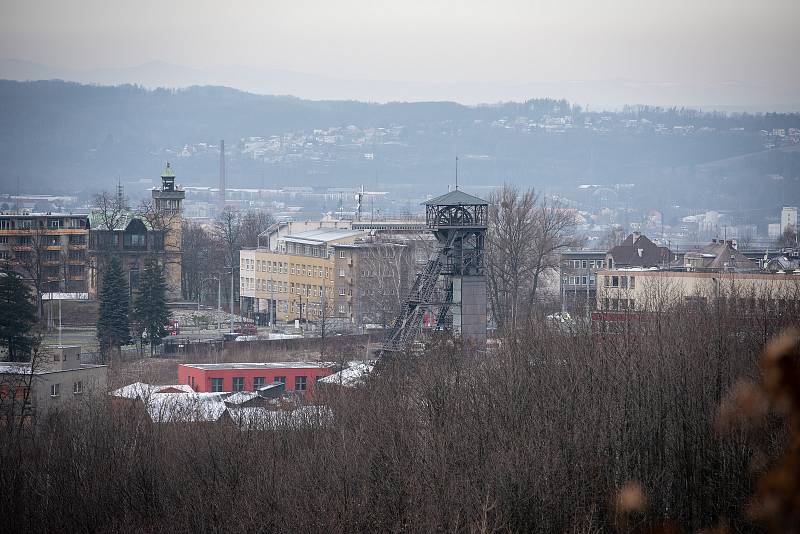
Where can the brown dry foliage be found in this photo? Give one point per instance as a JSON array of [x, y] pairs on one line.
[[537, 437]]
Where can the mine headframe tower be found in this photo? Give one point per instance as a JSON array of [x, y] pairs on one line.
[[451, 289]]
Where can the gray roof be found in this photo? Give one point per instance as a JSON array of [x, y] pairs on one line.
[[269, 365], [96, 221], [321, 235], [456, 198]]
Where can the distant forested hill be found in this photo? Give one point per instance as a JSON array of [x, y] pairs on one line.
[[58, 136]]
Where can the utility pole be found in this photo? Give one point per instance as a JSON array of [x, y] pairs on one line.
[[324, 316], [231, 298], [301, 312], [271, 300]]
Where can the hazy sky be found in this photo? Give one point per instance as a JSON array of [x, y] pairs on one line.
[[671, 41]]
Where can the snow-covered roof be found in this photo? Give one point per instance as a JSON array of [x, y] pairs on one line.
[[352, 376], [241, 397], [143, 391], [266, 419], [185, 407]]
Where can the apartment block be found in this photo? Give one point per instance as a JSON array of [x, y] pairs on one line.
[[50, 247]]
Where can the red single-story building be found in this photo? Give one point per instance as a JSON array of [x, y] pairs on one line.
[[224, 377]]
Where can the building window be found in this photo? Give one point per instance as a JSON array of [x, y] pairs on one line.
[[238, 383], [300, 383], [341, 291], [623, 282], [217, 385], [341, 254], [55, 390], [341, 273], [258, 382], [633, 282], [615, 281], [280, 380], [584, 264], [77, 387]]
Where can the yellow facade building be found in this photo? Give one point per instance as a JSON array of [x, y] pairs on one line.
[[297, 280]]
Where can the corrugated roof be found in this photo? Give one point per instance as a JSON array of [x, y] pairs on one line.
[[455, 198]]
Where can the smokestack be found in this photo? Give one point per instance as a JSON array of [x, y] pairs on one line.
[[221, 199]]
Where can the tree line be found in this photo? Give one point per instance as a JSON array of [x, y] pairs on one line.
[[662, 426]]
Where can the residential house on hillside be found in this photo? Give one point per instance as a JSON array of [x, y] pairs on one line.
[[638, 251], [719, 255]]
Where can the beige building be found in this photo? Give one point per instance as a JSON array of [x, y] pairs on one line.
[[652, 289], [57, 380], [372, 277], [297, 278]]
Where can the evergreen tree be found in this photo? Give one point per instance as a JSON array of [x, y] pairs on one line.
[[113, 326], [150, 305], [17, 315]]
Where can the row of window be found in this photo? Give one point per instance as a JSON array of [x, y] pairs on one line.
[[77, 389], [585, 264], [619, 304], [23, 224], [623, 282], [259, 284], [264, 266], [316, 251], [104, 238], [238, 383], [578, 280]]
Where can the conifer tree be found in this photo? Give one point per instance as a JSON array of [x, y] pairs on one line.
[[113, 323], [17, 314], [150, 305]]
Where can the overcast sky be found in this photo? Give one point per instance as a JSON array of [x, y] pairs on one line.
[[684, 42]]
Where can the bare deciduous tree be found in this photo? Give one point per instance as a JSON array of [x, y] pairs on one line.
[[253, 223], [111, 209], [385, 272], [526, 232]]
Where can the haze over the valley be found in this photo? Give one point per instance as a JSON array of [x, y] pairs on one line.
[[731, 55]]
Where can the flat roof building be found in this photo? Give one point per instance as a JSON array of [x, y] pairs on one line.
[[236, 377]]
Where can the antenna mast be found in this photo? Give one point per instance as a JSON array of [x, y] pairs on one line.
[[456, 173]]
